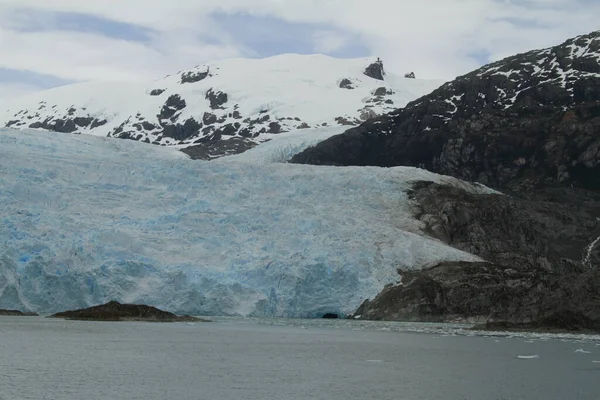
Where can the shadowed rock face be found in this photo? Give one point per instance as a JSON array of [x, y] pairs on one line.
[[375, 70], [534, 277], [207, 149], [114, 311]]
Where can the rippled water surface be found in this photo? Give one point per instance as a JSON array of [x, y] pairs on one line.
[[288, 359]]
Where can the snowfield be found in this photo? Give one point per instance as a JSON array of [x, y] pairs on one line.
[[85, 219], [255, 99]]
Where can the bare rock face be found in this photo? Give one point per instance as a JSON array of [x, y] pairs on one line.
[[114, 311], [535, 275], [207, 149], [216, 98], [375, 70], [173, 105], [194, 76], [346, 84]]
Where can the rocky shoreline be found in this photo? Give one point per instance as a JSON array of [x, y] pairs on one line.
[[534, 277], [16, 313], [114, 311]]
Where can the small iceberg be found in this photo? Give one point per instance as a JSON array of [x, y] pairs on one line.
[[582, 351], [528, 357]]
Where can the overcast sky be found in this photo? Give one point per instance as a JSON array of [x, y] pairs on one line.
[[47, 43]]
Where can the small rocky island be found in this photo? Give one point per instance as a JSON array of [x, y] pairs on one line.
[[115, 311], [16, 313]]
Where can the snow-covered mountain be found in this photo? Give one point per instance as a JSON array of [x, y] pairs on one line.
[[243, 101], [84, 220]]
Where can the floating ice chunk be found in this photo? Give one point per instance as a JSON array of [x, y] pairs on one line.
[[531, 357], [582, 351]]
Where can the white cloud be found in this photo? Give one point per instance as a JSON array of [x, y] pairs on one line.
[[10, 91], [329, 41], [434, 38]]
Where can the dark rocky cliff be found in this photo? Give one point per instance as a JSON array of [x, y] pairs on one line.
[[529, 120]]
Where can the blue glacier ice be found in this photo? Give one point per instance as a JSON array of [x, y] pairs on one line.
[[84, 220]]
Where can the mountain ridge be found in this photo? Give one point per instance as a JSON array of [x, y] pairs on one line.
[[497, 125], [247, 100]]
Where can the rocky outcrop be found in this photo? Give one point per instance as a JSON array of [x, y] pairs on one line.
[[194, 76], [216, 98], [207, 149], [114, 311], [173, 105], [534, 275], [375, 70], [16, 313], [156, 92], [410, 75], [346, 84], [57, 125]]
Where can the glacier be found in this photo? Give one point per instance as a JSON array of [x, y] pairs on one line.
[[85, 220]]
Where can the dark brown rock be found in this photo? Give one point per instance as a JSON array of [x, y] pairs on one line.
[[16, 313], [114, 311], [539, 272]]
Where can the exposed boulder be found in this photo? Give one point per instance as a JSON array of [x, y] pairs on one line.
[[190, 128], [216, 98], [375, 70], [194, 76], [156, 92], [344, 121], [346, 84], [83, 122], [382, 91], [57, 125], [209, 119], [205, 149], [228, 130], [367, 114], [97, 123], [173, 105], [274, 127]]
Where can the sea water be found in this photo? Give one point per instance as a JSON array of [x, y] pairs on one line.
[[280, 359]]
